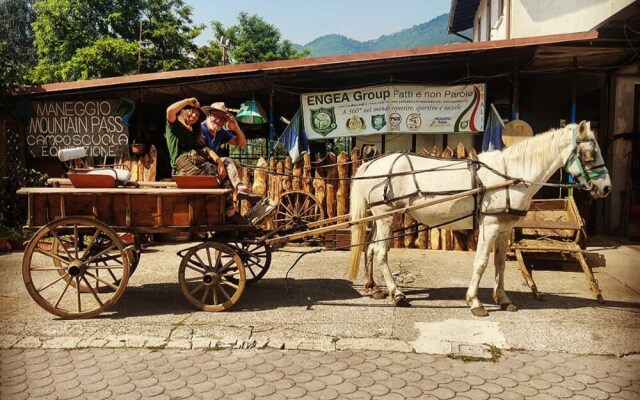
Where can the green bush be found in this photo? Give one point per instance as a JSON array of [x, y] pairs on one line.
[[13, 207]]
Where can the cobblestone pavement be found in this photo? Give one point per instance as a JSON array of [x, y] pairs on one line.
[[274, 374]]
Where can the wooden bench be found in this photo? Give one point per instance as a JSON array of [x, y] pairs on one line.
[[553, 229]]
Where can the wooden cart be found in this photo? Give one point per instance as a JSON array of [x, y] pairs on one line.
[[86, 244], [553, 229]]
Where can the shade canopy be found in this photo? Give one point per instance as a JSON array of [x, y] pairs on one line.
[[251, 112]]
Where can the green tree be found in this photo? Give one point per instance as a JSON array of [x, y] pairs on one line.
[[17, 54], [254, 40], [78, 39]]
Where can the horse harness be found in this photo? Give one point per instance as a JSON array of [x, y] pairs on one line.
[[476, 183]]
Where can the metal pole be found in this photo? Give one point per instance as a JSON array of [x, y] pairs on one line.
[[272, 129]]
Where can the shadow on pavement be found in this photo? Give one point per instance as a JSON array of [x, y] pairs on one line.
[[166, 298]]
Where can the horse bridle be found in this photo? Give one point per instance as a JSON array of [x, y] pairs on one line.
[[582, 158]]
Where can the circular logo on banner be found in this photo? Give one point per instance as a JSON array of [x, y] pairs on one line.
[[323, 120], [355, 124], [378, 121], [395, 120], [414, 121]]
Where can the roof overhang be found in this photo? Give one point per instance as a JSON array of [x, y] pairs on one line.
[[461, 62], [462, 14]]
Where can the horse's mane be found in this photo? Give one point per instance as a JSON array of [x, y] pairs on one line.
[[542, 145]]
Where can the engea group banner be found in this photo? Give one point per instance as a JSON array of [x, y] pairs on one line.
[[394, 109]]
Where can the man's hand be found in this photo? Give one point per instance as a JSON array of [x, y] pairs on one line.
[[222, 172], [232, 123]]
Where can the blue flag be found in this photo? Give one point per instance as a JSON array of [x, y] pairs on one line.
[[493, 131], [294, 139]]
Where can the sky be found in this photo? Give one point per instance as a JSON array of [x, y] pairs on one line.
[[302, 21]]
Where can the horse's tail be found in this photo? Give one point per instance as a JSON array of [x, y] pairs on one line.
[[358, 208]]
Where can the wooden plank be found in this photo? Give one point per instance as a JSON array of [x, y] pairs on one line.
[[548, 204], [124, 190], [539, 224]]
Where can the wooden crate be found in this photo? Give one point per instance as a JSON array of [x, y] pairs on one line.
[[552, 229]]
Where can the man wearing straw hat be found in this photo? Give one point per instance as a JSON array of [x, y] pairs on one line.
[[216, 118]]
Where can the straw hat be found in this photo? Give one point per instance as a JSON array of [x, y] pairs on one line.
[[516, 131], [218, 107]]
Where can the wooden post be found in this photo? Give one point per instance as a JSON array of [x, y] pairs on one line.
[[141, 169], [332, 174], [434, 234], [151, 164], [319, 188], [134, 168], [297, 176], [356, 161], [286, 179], [398, 223], [279, 181], [245, 206], [307, 185], [272, 179], [409, 231], [343, 184], [260, 177]]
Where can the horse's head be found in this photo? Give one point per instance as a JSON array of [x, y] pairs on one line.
[[586, 163]]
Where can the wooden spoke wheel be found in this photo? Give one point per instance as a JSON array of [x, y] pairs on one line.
[[296, 209], [101, 242], [76, 267], [256, 258], [211, 276]]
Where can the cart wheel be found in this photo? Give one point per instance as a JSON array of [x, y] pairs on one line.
[[256, 258], [211, 276], [75, 267], [102, 242], [297, 208]]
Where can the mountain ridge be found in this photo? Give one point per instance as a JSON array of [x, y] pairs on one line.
[[433, 32]]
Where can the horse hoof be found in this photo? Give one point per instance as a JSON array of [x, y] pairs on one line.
[[479, 312], [378, 294], [401, 300], [509, 307]]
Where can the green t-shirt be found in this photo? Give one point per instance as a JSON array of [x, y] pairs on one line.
[[179, 141]]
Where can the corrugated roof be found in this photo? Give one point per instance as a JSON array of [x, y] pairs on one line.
[[309, 74], [462, 14]]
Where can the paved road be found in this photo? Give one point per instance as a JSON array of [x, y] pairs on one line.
[[293, 374], [322, 339]]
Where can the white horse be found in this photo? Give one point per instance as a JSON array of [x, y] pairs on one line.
[[399, 180]]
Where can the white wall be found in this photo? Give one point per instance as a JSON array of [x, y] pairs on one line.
[[527, 18], [548, 17], [498, 21]]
